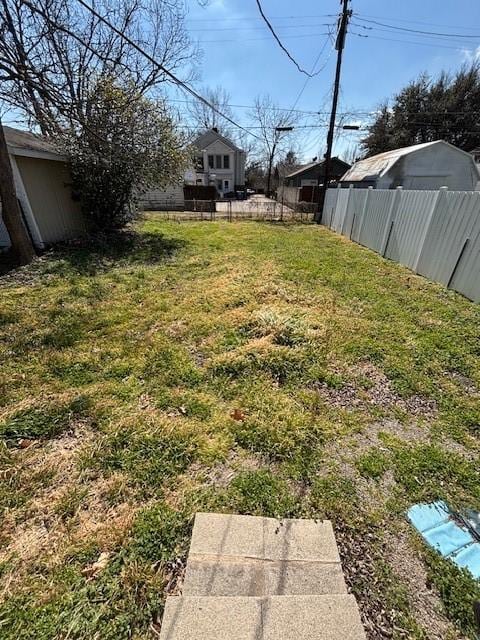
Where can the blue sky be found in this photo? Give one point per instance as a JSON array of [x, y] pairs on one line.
[[240, 55]]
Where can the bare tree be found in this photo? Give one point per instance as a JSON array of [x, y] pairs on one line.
[[52, 52], [275, 130], [204, 117]]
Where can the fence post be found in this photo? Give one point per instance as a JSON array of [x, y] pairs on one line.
[[391, 219], [364, 210], [442, 192]]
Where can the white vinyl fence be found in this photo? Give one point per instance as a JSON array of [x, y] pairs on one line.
[[434, 233]]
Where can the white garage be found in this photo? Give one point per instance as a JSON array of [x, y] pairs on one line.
[[426, 166]]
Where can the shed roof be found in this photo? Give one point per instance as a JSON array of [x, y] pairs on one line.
[[377, 166], [26, 143], [319, 163]]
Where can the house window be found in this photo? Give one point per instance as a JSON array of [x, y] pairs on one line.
[[226, 184], [199, 163], [218, 162], [210, 162], [226, 162]]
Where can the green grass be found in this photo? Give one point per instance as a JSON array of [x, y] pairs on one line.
[[216, 366]]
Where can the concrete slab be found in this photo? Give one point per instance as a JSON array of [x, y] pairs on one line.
[[232, 577], [279, 617], [306, 540], [303, 578], [218, 534], [312, 618], [224, 577], [212, 619]]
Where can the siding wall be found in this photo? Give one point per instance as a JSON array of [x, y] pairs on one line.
[[434, 233], [168, 199], [47, 185]]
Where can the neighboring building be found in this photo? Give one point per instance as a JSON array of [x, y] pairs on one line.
[[219, 162], [476, 155], [42, 181], [311, 175], [282, 170], [426, 166]]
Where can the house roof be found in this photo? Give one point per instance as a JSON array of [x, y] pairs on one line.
[[284, 170], [210, 136], [377, 166], [306, 167], [26, 143]]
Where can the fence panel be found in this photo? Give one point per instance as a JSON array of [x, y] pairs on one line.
[[376, 219], [453, 222], [410, 223], [356, 204], [340, 210], [435, 233], [329, 206]]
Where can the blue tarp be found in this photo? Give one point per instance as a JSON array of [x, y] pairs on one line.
[[448, 534]]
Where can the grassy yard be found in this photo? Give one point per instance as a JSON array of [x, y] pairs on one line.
[[245, 367]]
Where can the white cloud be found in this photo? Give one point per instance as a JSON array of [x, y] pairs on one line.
[[471, 55]]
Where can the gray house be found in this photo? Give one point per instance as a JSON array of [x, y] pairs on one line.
[[42, 182], [426, 166], [219, 162], [311, 175]]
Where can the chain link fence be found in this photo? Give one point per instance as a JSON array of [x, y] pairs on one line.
[[262, 209]]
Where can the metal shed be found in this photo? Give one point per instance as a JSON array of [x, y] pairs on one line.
[[426, 166], [42, 181]]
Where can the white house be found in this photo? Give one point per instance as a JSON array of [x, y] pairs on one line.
[[426, 166], [218, 162], [42, 182]]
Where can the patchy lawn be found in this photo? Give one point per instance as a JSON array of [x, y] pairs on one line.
[[245, 367]]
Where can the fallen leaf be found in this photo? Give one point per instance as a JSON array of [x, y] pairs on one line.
[[238, 414], [24, 443], [99, 565]]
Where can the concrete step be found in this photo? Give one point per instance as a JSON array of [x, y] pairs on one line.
[[330, 617], [229, 576], [260, 538]]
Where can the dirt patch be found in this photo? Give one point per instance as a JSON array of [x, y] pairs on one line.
[[359, 562], [367, 387], [425, 603]]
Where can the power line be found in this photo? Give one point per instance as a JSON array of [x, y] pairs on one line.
[[426, 37], [255, 17], [262, 28], [432, 33], [424, 44], [302, 35], [307, 80], [280, 44], [430, 24], [168, 73]]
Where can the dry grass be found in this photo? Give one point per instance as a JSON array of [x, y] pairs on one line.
[[262, 369]]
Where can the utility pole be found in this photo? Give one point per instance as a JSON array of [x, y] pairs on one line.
[[339, 45]]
